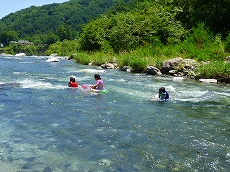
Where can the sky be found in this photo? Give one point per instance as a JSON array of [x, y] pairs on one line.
[[11, 6]]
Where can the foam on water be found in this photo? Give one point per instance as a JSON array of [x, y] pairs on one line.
[[25, 62], [92, 70], [28, 83], [222, 93]]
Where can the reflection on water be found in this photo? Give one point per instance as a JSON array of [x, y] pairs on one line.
[[46, 126]]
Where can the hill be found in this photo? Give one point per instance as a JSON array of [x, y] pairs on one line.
[[47, 18]]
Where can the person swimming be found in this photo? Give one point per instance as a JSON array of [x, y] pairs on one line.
[[72, 82], [163, 95], [99, 83]]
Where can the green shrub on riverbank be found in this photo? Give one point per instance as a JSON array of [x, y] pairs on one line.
[[81, 58], [65, 48], [219, 70], [201, 44], [96, 58]]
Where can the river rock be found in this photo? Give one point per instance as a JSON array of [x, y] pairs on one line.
[[179, 67], [172, 64], [208, 81], [126, 68], [153, 71], [108, 66], [190, 64]]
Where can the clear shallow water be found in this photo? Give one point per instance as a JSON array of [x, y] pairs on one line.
[[46, 126]]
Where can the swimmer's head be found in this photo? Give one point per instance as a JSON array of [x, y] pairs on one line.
[[97, 76], [161, 90], [72, 79]]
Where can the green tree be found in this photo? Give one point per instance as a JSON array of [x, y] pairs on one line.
[[7, 36], [65, 48], [51, 38], [147, 23], [64, 32], [212, 12], [89, 39]]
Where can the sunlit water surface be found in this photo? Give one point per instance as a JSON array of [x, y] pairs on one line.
[[46, 126]]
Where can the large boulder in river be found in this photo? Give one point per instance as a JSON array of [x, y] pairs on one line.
[[108, 66], [127, 68], [172, 64], [179, 67], [153, 70]]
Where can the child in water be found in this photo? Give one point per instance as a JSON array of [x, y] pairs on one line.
[[72, 82], [99, 83], [163, 95]]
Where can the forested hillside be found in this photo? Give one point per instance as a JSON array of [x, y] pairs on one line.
[[38, 23], [35, 22], [49, 18]]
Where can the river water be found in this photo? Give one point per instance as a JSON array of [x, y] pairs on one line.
[[46, 126]]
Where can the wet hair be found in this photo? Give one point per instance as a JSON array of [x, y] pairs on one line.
[[161, 90], [72, 79], [97, 76]]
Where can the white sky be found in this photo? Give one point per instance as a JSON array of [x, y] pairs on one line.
[[11, 6]]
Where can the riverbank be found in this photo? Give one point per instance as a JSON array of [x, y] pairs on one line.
[[208, 72]]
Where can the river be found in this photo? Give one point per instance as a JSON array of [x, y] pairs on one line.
[[46, 126]]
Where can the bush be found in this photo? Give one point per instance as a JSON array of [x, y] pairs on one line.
[[138, 64], [219, 70], [81, 58], [64, 48], [202, 45]]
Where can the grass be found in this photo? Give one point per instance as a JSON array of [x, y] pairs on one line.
[[219, 70]]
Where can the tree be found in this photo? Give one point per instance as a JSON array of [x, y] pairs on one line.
[[214, 13], [51, 38], [148, 23], [64, 32], [7, 36]]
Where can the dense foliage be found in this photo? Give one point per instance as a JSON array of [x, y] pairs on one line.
[[148, 23], [214, 13]]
